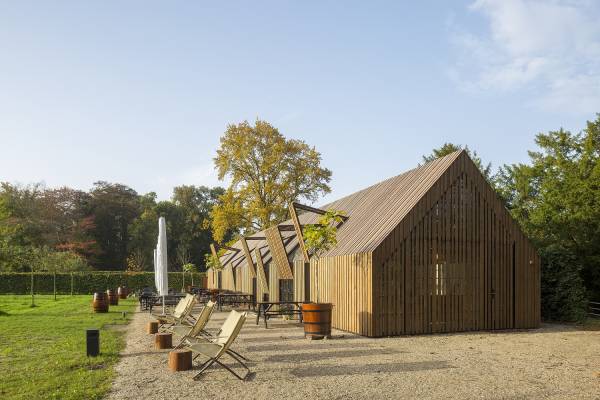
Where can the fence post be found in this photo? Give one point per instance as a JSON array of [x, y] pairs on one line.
[[54, 283], [71, 284], [32, 295]]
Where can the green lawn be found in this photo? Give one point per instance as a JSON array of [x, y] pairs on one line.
[[42, 349]]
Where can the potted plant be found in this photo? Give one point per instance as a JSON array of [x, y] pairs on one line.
[[214, 262], [319, 238], [189, 268]]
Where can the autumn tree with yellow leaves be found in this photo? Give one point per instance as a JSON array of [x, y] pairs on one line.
[[266, 172]]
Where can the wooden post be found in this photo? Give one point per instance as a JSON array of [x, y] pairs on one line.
[[32, 295], [298, 229], [248, 257], [152, 327], [278, 252], [213, 250], [260, 268], [71, 284], [54, 277], [163, 341], [180, 360]]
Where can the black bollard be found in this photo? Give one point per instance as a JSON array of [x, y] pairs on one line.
[[93, 342]]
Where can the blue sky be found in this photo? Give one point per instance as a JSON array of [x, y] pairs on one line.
[[139, 92]]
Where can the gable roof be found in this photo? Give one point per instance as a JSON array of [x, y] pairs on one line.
[[372, 212]]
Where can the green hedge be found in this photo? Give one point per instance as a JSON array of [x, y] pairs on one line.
[[87, 282]]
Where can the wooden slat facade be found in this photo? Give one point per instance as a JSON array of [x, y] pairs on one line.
[[432, 250], [260, 269], [299, 233], [457, 262], [278, 252]]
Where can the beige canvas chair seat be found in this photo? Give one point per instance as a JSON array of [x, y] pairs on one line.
[[187, 332], [208, 349], [219, 345]]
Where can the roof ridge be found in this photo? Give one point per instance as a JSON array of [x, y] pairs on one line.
[[405, 191], [419, 166]]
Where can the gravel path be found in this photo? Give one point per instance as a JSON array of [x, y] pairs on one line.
[[554, 362]]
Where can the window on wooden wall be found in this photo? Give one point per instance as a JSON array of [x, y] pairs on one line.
[[286, 290], [440, 279], [307, 282]]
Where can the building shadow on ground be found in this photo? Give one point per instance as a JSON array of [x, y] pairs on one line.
[[325, 355], [342, 370]]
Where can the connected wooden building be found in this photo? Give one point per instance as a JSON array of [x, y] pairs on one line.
[[430, 250]]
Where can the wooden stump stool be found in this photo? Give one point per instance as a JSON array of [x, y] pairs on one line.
[[152, 327], [163, 341], [180, 360]]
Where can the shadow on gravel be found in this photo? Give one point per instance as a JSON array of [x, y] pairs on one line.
[[278, 339], [340, 370], [313, 345], [325, 355], [272, 327], [141, 353]]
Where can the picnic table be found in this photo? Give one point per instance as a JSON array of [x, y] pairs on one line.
[[285, 308], [234, 299], [170, 300]]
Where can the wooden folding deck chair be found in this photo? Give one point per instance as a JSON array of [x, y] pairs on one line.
[[221, 344], [182, 314], [181, 305], [187, 333]]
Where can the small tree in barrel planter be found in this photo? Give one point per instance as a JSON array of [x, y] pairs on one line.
[[319, 238], [214, 262], [189, 268]]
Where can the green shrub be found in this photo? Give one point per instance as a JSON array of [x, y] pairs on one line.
[[563, 291], [86, 282]]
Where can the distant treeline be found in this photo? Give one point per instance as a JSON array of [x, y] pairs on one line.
[[110, 227]]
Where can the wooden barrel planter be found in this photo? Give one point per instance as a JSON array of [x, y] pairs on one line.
[[113, 297], [317, 320], [122, 291], [100, 302]]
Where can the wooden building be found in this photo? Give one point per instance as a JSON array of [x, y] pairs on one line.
[[430, 250]]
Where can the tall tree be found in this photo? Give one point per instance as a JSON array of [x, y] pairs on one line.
[[556, 199], [22, 227], [447, 148], [196, 204], [266, 171], [114, 207], [69, 220], [143, 232]]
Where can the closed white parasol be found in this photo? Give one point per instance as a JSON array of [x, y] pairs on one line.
[[162, 276]]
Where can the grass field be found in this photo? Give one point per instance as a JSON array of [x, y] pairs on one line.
[[42, 348]]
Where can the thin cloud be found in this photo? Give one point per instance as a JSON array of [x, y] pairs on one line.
[[549, 48]]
